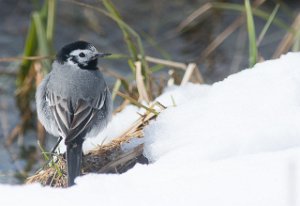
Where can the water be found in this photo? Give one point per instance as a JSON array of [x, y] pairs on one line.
[[155, 20]]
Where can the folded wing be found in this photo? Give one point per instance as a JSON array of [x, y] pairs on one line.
[[75, 119]]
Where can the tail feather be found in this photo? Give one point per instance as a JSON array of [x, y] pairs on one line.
[[74, 156]]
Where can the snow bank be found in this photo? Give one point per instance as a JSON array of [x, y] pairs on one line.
[[254, 111], [233, 143]]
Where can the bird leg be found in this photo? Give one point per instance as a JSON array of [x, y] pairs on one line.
[[56, 145]]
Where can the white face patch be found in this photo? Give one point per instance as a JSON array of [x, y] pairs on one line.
[[72, 63], [83, 56]]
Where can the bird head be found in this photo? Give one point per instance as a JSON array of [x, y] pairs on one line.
[[80, 54]]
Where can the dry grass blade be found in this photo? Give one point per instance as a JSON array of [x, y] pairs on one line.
[[165, 62], [17, 130], [133, 101], [288, 39], [222, 36], [203, 9], [26, 109], [198, 76], [226, 33], [160, 105], [193, 74], [4, 117], [5, 71], [14, 59], [140, 83], [122, 106], [112, 73], [41, 134], [257, 12], [49, 175], [188, 73], [178, 65]]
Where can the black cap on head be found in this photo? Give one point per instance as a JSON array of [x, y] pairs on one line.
[[64, 52]]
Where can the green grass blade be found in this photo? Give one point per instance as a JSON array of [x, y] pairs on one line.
[[42, 40], [50, 21], [29, 50], [156, 46], [130, 45], [117, 56], [268, 24], [114, 16], [44, 11], [131, 66], [44, 153], [116, 89], [156, 68], [257, 12], [251, 35]]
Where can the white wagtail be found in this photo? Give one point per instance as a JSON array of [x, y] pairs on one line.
[[73, 100]]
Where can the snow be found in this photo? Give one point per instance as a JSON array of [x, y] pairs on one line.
[[119, 124], [236, 142]]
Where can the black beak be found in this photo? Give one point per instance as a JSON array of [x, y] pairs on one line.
[[103, 54]]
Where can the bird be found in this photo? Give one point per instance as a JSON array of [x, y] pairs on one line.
[[73, 101]]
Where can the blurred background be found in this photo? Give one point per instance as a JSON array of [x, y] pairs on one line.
[[219, 36]]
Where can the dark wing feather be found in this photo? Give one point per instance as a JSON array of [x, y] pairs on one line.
[[75, 120], [62, 112]]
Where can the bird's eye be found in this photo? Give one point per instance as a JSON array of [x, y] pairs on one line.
[[82, 54]]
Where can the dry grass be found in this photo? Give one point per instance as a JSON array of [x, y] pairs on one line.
[[108, 158], [288, 39]]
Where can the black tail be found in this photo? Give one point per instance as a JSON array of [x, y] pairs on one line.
[[74, 155]]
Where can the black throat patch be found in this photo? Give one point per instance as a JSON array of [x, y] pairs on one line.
[[91, 65]]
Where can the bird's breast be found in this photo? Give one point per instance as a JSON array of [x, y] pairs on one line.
[[75, 84]]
